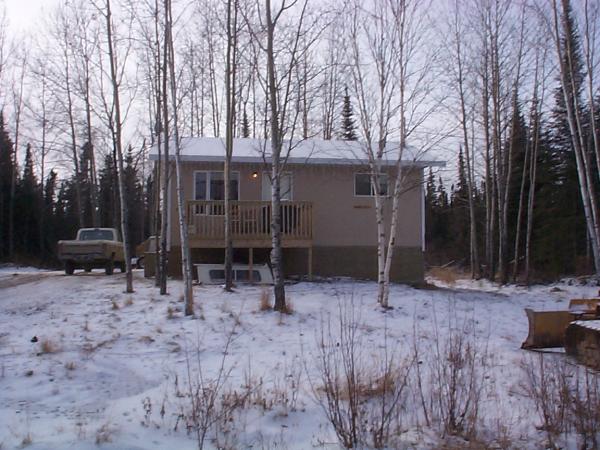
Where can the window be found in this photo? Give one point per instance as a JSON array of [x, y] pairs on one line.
[[239, 275], [211, 186], [364, 188], [285, 190], [96, 235]]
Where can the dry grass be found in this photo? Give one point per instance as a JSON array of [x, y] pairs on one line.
[[27, 441], [170, 312], [129, 301], [115, 305], [289, 307], [86, 326], [449, 275], [70, 365], [104, 434], [48, 346], [146, 339], [265, 301]]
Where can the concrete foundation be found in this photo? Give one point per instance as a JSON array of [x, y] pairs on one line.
[[355, 262]]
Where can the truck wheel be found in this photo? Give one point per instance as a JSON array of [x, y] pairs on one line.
[[69, 268], [88, 269], [110, 267]]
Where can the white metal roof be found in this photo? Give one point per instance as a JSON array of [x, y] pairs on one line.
[[309, 151]]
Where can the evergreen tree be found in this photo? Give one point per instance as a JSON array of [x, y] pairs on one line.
[[430, 203], [27, 209], [518, 143], [6, 171], [134, 196], [108, 194], [560, 197], [85, 182], [49, 235], [459, 212], [348, 132], [245, 125]]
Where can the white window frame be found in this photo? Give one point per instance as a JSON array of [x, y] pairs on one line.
[[208, 172], [266, 175], [372, 194]]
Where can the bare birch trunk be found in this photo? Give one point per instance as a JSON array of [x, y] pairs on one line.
[[157, 131], [166, 200], [379, 217], [118, 144], [508, 168], [590, 204], [473, 246], [531, 202], [73, 133], [529, 167], [93, 172], [590, 41], [230, 92], [276, 145], [186, 263], [517, 249], [18, 105], [391, 244], [489, 207]]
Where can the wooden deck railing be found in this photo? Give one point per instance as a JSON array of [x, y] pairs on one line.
[[250, 220]]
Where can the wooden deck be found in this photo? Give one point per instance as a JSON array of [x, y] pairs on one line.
[[251, 224]]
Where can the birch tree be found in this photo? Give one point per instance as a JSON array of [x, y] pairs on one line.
[[460, 75], [115, 123], [391, 77], [230, 120], [85, 42], [570, 81], [17, 104], [283, 39], [186, 263]]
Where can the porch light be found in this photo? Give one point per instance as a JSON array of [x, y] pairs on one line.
[[254, 174]]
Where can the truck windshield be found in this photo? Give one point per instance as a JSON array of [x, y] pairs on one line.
[[96, 235]]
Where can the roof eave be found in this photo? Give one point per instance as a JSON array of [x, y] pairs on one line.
[[309, 161]]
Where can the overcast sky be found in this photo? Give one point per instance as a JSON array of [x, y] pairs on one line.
[[23, 14]]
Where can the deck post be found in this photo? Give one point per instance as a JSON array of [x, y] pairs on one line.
[[310, 263], [250, 265]]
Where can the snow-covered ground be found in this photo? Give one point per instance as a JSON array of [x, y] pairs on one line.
[[110, 369]]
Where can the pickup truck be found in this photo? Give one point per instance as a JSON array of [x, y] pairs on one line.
[[93, 248]]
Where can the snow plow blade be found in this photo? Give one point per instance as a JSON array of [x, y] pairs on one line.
[[582, 340], [546, 328]]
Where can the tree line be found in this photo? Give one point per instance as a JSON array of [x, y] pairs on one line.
[[507, 89], [45, 211], [532, 214]]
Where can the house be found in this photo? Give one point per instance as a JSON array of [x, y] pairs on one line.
[[328, 215]]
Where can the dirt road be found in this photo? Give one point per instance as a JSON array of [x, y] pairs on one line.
[[17, 279]]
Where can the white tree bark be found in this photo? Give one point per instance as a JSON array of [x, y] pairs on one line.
[[586, 186], [186, 263], [118, 143]]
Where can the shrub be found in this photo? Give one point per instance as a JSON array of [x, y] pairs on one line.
[[362, 397], [48, 346]]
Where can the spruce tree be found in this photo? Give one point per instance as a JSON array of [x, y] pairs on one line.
[[134, 197], [27, 210], [565, 224], [6, 170], [49, 235], [348, 132], [459, 211], [245, 125]]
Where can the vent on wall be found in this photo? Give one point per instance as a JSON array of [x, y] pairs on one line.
[[215, 274]]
